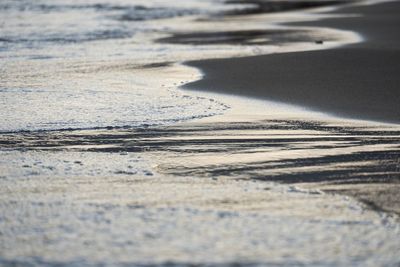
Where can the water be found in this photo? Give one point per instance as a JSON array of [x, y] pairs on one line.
[[77, 65], [199, 193], [91, 64], [95, 170]]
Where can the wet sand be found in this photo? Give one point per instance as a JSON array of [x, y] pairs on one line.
[[358, 81], [231, 190], [206, 199], [353, 159]]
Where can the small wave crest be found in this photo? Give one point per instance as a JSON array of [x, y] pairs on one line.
[[64, 22]]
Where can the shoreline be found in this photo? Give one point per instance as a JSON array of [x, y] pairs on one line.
[[367, 104], [345, 81], [249, 177]]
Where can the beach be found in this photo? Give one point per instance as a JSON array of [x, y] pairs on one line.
[[356, 81], [201, 134], [210, 199]]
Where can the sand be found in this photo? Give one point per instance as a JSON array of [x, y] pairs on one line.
[[200, 193], [356, 81], [93, 198]]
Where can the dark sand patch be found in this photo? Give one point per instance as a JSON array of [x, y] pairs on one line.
[[248, 37], [266, 6], [358, 81], [257, 36], [156, 65], [378, 196]]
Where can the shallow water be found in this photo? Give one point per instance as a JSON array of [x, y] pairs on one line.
[[96, 64], [95, 169], [199, 193], [77, 65]]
